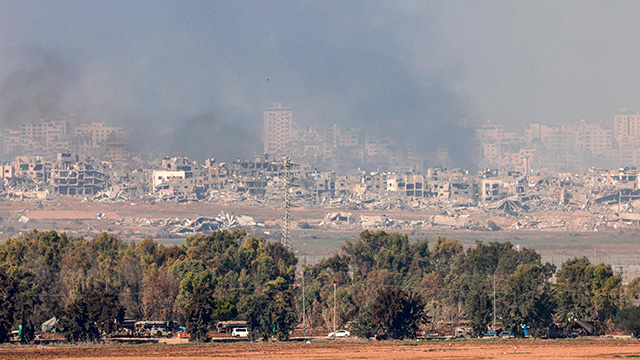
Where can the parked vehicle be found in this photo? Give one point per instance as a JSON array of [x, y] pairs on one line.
[[153, 329], [491, 333], [240, 332], [339, 333], [556, 333], [228, 326], [462, 332], [431, 334]]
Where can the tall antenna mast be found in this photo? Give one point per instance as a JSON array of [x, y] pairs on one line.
[[288, 184]]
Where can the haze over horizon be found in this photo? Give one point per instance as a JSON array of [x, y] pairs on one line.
[[198, 75]]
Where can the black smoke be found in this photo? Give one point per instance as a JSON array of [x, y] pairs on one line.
[[197, 85], [205, 136], [35, 87]]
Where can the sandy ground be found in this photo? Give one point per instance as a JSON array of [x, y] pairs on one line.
[[510, 349], [78, 218]]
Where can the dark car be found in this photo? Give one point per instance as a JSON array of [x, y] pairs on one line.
[[491, 333], [556, 333]]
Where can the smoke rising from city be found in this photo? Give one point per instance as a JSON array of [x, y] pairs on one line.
[[174, 73], [205, 136], [35, 87]]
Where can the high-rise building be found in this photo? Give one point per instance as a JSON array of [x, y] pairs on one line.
[[627, 127], [100, 133], [277, 130]]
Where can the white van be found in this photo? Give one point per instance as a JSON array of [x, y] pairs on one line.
[[240, 332]]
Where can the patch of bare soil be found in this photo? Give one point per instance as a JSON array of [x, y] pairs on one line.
[[531, 349]]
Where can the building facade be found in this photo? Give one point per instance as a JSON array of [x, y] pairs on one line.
[[278, 122]]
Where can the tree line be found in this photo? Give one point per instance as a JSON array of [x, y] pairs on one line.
[[383, 283]]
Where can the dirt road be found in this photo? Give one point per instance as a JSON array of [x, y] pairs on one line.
[[512, 349]]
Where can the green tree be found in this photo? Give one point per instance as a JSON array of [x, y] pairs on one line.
[[364, 326], [479, 304], [272, 313], [383, 251], [26, 298], [132, 276], [91, 316], [573, 293], [606, 289], [259, 318], [42, 253], [159, 295], [217, 248], [475, 287], [199, 314], [631, 294], [587, 292], [628, 319], [202, 310], [108, 311], [527, 299], [399, 313], [283, 316], [445, 254], [7, 303], [319, 280], [109, 249]]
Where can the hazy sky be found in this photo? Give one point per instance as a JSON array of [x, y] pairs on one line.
[[165, 69]]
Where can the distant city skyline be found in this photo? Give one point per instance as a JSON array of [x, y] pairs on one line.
[[166, 69]]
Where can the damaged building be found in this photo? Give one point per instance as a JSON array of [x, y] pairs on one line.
[[69, 176]]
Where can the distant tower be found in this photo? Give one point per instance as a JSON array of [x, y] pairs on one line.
[[288, 184], [277, 129]]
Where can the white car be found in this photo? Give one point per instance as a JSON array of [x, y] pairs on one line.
[[340, 333], [240, 332]]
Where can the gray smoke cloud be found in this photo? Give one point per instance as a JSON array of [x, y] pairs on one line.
[[34, 87], [194, 79], [411, 69], [204, 136]]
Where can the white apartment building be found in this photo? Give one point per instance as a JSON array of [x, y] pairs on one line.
[[277, 129]]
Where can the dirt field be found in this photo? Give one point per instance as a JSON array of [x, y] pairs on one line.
[[527, 349]]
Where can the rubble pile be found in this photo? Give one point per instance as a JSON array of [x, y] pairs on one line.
[[442, 199]]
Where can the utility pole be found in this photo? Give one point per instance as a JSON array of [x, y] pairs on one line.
[[334, 310], [304, 314], [494, 302]]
